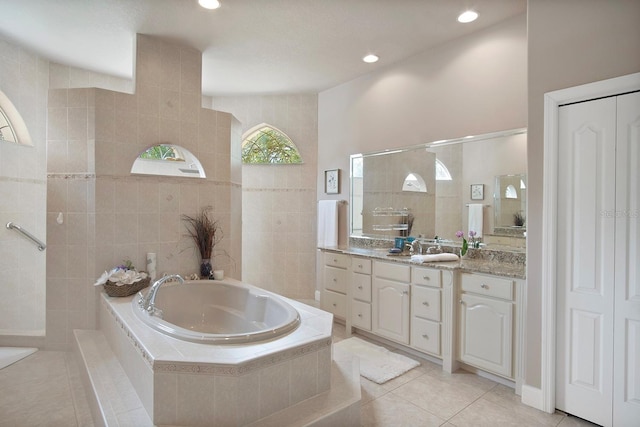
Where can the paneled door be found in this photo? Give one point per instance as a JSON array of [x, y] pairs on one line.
[[626, 333], [598, 288]]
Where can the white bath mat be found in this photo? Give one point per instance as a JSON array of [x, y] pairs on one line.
[[376, 363]]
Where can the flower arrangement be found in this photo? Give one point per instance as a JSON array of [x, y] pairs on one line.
[[206, 234], [465, 245], [123, 280]]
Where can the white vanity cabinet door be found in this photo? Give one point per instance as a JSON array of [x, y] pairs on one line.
[[391, 309], [425, 335], [335, 279], [361, 315], [361, 287], [361, 265], [485, 333], [334, 283], [335, 303], [425, 302]]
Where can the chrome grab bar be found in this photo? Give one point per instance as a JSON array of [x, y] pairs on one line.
[[41, 246]]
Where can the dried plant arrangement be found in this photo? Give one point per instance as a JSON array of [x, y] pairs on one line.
[[204, 231]]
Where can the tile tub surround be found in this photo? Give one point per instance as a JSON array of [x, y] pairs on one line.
[[183, 383]]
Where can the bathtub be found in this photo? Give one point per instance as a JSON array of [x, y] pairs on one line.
[[219, 312], [184, 382]]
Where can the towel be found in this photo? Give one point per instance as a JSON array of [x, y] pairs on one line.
[[475, 218], [327, 223], [435, 257]]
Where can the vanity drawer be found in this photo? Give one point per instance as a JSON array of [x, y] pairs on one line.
[[425, 335], [497, 287], [392, 271], [335, 279], [335, 303], [426, 277], [361, 315], [361, 265], [361, 287], [336, 260], [425, 302]]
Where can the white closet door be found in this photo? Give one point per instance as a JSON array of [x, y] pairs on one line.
[[585, 273], [626, 401]]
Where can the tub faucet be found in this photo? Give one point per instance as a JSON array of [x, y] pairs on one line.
[[148, 301]]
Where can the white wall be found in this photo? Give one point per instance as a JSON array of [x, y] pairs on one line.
[[472, 85], [571, 42]]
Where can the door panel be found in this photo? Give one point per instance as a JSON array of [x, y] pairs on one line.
[[585, 273], [626, 401]]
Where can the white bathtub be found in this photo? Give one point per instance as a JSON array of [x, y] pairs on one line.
[[182, 382], [218, 312]]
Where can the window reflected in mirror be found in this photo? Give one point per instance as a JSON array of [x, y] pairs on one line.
[[168, 160]]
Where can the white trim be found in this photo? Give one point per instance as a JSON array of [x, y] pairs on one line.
[[552, 101], [532, 396]]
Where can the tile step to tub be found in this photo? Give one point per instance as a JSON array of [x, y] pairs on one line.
[[114, 402], [111, 396]]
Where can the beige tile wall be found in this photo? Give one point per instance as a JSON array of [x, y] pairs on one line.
[[24, 80], [279, 201], [93, 137]]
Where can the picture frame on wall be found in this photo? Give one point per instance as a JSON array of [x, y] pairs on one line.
[[477, 191], [332, 181]]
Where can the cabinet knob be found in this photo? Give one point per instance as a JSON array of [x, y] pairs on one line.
[[461, 302], [334, 304], [426, 277], [360, 266], [359, 315], [483, 286], [335, 280], [425, 336], [405, 292], [360, 287], [426, 303]]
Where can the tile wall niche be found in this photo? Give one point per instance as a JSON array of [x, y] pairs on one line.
[[24, 80], [279, 201], [109, 215]]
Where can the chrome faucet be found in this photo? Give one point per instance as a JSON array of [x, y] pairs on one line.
[[148, 301]]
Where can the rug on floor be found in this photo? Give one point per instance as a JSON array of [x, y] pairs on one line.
[[376, 363]]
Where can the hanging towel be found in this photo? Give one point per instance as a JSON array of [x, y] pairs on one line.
[[475, 218], [327, 223]]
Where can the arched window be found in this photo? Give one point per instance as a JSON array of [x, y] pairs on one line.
[[442, 173], [265, 144]]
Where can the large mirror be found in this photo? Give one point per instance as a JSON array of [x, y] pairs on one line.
[[426, 190], [510, 201]]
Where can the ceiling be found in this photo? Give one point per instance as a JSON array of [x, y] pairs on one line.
[[249, 46]]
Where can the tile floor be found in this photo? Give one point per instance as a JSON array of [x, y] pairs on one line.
[[44, 389]]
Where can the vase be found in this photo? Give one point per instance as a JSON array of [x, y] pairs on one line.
[[205, 268]]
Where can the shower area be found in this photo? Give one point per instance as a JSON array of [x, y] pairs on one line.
[[24, 82]]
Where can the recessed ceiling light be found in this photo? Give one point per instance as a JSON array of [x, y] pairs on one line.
[[209, 4], [371, 58], [467, 16]]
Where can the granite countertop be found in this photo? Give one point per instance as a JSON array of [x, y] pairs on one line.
[[488, 262]]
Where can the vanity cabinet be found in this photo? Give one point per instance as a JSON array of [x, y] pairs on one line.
[[361, 293], [335, 282], [426, 301], [485, 323], [391, 301]]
